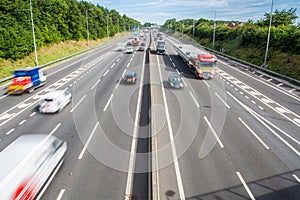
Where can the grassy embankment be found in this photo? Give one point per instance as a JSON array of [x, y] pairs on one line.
[[47, 54], [280, 62]]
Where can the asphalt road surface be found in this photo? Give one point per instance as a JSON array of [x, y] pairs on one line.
[[235, 136]]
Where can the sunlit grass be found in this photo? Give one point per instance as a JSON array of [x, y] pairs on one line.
[[47, 54]]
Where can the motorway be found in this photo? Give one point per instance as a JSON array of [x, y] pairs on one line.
[[235, 136]]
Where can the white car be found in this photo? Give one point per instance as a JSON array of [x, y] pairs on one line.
[[54, 101], [29, 164]]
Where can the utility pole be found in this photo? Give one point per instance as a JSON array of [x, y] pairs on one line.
[[87, 26], [33, 34], [268, 40], [214, 34]]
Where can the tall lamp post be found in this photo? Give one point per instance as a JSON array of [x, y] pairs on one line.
[[193, 29], [214, 33], [33, 34], [87, 26], [107, 25], [269, 33]]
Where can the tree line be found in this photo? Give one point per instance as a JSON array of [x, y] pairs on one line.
[[248, 40], [54, 21]]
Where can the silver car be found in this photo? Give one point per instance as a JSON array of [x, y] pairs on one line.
[[54, 101]]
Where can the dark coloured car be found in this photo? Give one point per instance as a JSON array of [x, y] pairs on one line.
[[129, 77], [175, 81], [142, 46]]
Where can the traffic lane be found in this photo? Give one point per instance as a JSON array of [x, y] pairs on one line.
[[202, 90], [263, 86], [279, 117], [193, 126], [245, 155], [65, 75], [259, 166], [164, 178], [84, 121], [21, 110], [63, 68]]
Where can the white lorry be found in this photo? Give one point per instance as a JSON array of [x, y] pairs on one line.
[[202, 62], [161, 47]]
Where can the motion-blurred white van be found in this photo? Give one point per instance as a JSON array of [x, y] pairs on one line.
[[28, 165]]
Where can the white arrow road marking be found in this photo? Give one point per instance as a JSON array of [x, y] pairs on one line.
[[6, 116], [23, 105]]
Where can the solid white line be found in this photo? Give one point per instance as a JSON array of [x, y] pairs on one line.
[[117, 84], [9, 132], [222, 100], [245, 186], [197, 104], [268, 84], [296, 177], [22, 122], [108, 102], [257, 137], [185, 85], [171, 136], [106, 73], [3, 96], [55, 128], [78, 103], [95, 84], [60, 195], [131, 167], [32, 114], [261, 120], [214, 133], [124, 72], [206, 84], [88, 141]]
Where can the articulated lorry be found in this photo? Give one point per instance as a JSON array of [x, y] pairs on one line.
[[202, 62], [161, 47], [26, 80]]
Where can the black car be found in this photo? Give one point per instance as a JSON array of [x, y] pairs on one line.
[[175, 81], [129, 77]]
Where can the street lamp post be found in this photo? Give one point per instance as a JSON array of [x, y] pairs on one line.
[[33, 34], [182, 28], [214, 34], [118, 26], [87, 26], [107, 25], [193, 29], [269, 33]]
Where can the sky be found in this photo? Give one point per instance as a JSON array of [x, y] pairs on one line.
[[158, 11]]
